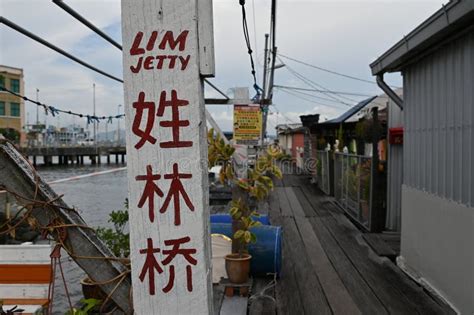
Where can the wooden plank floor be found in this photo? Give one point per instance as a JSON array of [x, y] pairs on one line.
[[328, 268]]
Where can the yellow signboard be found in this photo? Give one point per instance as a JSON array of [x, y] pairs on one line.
[[247, 124]]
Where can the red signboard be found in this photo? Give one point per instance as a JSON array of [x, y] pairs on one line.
[[395, 135]]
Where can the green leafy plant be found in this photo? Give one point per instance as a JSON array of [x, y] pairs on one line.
[[257, 185], [87, 307], [10, 134], [117, 239]]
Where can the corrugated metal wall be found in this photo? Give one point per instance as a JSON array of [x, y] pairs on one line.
[[439, 118], [395, 171]]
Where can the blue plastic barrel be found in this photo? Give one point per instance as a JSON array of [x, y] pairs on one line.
[[226, 218], [266, 253]]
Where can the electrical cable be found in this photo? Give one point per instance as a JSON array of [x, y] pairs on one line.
[[315, 85], [312, 101], [310, 95], [320, 91], [284, 116], [249, 46], [329, 71]]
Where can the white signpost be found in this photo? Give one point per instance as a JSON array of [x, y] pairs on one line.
[[167, 153]]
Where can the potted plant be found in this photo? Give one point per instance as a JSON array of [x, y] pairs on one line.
[[238, 264], [256, 185]]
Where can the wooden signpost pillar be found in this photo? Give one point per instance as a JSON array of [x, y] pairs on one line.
[[167, 46]]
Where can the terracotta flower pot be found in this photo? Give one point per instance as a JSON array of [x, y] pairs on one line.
[[238, 267]]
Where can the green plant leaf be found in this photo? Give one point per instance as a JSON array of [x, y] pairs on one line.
[[247, 237], [253, 238], [239, 234]]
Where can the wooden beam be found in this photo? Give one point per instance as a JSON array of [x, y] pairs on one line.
[[206, 38], [167, 154], [17, 175]]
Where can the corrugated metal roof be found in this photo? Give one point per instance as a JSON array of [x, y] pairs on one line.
[[351, 112]]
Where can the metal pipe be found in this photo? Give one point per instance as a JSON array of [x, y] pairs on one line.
[[55, 48], [388, 90], [216, 88], [81, 19]]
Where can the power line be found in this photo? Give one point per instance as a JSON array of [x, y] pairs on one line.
[[314, 96], [55, 48], [249, 46], [327, 70], [316, 85], [312, 101], [320, 91], [56, 111], [284, 116]]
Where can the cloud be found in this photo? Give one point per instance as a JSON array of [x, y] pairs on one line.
[[341, 35]]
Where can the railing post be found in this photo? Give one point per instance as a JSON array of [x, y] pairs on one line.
[[377, 192], [330, 173], [358, 176]]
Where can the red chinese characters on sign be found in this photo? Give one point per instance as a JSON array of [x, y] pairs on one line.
[[175, 191], [175, 123], [145, 135], [151, 263], [149, 191]]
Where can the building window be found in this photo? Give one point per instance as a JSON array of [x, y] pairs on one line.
[[2, 81], [15, 109], [2, 108], [15, 85]]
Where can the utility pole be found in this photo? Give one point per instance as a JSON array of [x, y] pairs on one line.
[[94, 122], [264, 96], [118, 124], [268, 89], [107, 131], [274, 49], [37, 107]]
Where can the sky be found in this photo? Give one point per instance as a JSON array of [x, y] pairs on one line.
[[343, 36]]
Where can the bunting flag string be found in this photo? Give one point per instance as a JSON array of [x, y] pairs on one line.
[[48, 109]]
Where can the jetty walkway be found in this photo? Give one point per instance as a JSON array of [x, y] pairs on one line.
[[328, 268]]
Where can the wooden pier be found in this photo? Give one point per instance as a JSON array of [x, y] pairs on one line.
[[328, 268], [75, 154]]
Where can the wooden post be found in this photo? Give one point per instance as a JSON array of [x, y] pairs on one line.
[[167, 154]]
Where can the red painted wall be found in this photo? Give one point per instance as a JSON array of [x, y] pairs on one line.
[[298, 141]]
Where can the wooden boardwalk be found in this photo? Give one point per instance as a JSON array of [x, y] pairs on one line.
[[328, 268]]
